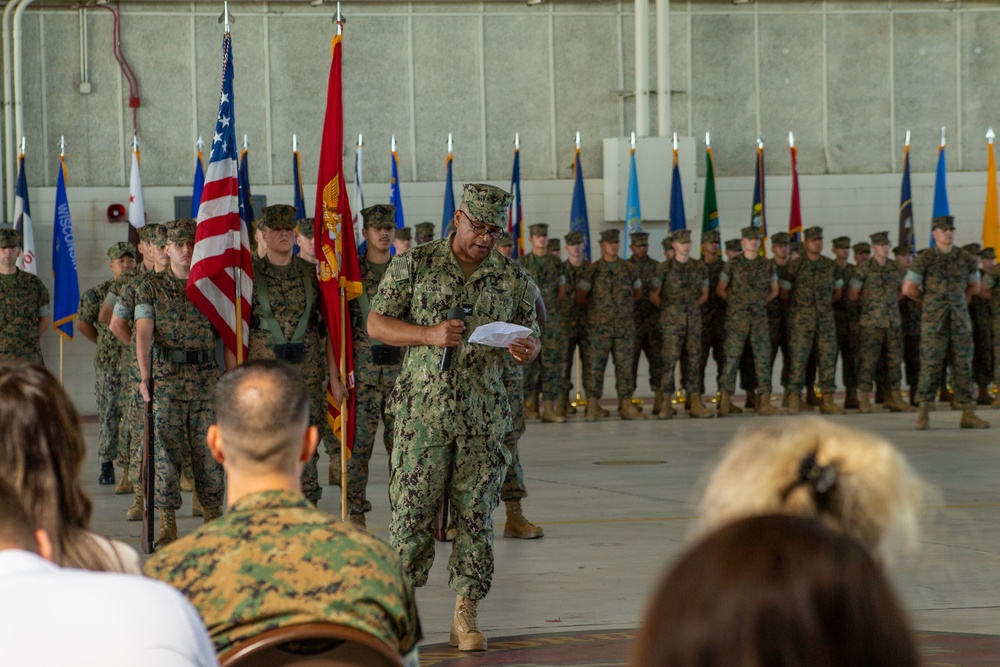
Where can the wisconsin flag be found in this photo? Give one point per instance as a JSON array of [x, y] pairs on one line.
[[64, 276]]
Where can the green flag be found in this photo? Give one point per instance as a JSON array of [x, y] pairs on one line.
[[710, 214]]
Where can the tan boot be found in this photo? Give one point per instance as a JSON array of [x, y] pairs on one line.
[[135, 512], [601, 412], [212, 513], [923, 416], [626, 410], [984, 397], [168, 528], [186, 484], [549, 415], [895, 403], [970, 419], [851, 401], [531, 407], [196, 508], [560, 407], [124, 485], [593, 410], [465, 633], [764, 407], [864, 403], [726, 406], [793, 402], [828, 407], [751, 401], [811, 397], [359, 521], [517, 526], [659, 398], [698, 409]]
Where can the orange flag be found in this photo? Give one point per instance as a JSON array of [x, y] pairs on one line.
[[991, 219]]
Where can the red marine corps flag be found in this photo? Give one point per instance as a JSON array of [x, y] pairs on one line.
[[336, 252]]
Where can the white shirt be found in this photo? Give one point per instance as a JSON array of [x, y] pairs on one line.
[[55, 616]]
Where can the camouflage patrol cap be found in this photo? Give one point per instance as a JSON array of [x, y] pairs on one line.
[[573, 238], [842, 242], [988, 253], [733, 245], [505, 241], [403, 234], [880, 238], [307, 227], [278, 216], [639, 238], [901, 249], [609, 236], [711, 236], [120, 249], [486, 203], [781, 238], [862, 247], [668, 242], [156, 235], [973, 248], [813, 233], [143, 231], [681, 236], [750, 233], [538, 229], [554, 245], [945, 222], [382, 216], [424, 229], [9, 238], [180, 231]]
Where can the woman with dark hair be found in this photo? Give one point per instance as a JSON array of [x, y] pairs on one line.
[[41, 453], [775, 591]]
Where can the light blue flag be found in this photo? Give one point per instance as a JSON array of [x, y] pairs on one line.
[[633, 211], [64, 276]]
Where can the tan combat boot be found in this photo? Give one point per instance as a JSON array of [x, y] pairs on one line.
[[970, 419], [659, 398], [851, 399], [793, 401], [864, 403], [923, 416], [895, 402], [186, 484], [465, 633], [811, 397], [135, 512], [593, 410], [984, 397], [698, 409], [751, 402], [601, 412], [828, 407], [626, 410], [124, 485], [561, 404], [726, 406], [517, 526], [764, 407], [549, 415], [531, 406], [212, 513], [196, 508], [168, 528]]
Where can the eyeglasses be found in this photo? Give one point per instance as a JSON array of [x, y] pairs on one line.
[[484, 230]]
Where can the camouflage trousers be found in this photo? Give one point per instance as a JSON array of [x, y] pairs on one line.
[[880, 344], [713, 339], [681, 341], [544, 374], [426, 464], [575, 341], [108, 386], [996, 347], [370, 398], [649, 341], [982, 339], [911, 359], [739, 330], [180, 426], [621, 349], [848, 336], [779, 341], [950, 339], [804, 331], [513, 482]]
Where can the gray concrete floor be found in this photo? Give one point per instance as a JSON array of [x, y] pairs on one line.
[[616, 501]]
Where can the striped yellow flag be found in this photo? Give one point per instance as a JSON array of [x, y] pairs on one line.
[[991, 218]]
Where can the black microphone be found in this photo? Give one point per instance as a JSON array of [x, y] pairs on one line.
[[456, 313]]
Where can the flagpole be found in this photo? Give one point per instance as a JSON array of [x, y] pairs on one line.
[[342, 362]]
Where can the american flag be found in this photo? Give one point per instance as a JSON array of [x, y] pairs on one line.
[[222, 246]]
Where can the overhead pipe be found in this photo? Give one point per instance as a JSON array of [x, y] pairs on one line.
[[642, 68], [663, 119], [17, 56]]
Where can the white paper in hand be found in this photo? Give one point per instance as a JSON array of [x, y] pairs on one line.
[[498, 334]]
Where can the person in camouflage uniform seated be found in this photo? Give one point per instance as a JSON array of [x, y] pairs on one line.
[[274, 560], [877, 283], [939, 281], [450, 422], [648, 339], [27, 310], [107, 359]]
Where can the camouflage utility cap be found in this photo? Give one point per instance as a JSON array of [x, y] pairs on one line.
[[573, 238], [639, 238], [842, 242], [750, 233], [9, 238], [120, 249], [880, 238], [553, 244], [681, 236], [424, 229], [668, 242], [902, 249], [382, 216], [973, 248], [307, 227], [402, 233], [539, 229], [733, 245], [945, 222], [813, 233], [279, 216], [711, 236], [988, 253], [486, 203], [143, 231], [156, 235], [609, 235], [505, 241], [781, 238], [862, 247], [181, 231]]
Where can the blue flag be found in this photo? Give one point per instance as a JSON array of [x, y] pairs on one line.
[[633, 211], [300, 203], [246, 199], [64, 277], [515, 216], [940, 190], [395, 196], [198, 186], [678, 220], [906, 235], [757, 217], [578, 221], [448, 214]]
